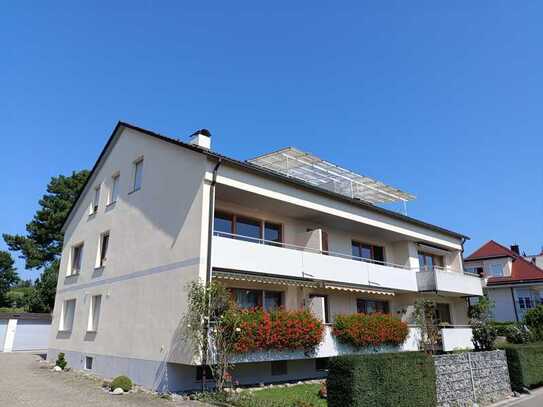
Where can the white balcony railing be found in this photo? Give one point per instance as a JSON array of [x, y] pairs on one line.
[[279, 259], [446, 280]]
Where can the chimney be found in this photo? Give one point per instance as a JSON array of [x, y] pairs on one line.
[[201, 138], [515, 248]]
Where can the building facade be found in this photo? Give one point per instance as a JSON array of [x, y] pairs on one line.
[[157, 213], [514, 282]]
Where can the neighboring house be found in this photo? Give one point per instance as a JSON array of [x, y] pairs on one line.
[[24, 332], [514, 283], [285, 229], [536, 259]]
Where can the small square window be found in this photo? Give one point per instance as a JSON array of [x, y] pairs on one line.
[[67, 315], [321, 364], [200, 373], [138, 175], [279, 368], [102, 249], [95, 201], [114, 193], [75, 265], [94, 313], [88, 363]]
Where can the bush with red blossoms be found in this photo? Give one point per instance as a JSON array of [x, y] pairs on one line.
[[362, 330], [278, 329]]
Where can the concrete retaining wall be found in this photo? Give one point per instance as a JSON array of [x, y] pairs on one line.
[[469, 377]]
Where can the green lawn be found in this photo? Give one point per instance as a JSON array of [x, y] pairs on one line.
[[308, 393]]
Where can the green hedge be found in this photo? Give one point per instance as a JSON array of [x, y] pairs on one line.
[[405, 379], [525, 365]]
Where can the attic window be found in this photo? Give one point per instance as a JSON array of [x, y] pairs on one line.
[[496, 270]]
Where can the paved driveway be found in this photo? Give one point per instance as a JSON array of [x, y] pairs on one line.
[[25, 382]]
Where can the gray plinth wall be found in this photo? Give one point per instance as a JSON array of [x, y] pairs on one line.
[[471, 377]]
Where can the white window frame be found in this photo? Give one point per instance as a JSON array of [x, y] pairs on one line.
[[114, 190], [99, 264], [87, 358], [94, 313], [63, 315], [137, 164], [95, 204], [71, 270], [495, 265]]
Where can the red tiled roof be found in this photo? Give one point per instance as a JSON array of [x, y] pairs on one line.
[[522, 270]]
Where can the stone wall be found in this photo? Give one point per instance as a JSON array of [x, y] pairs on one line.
[[469, 377]]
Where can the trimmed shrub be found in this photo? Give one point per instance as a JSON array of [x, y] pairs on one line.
[[502, 328], [525, 365], [123, 382], [518, 334], [278, 329], [61, 361], [534, 321], [362, 330], [403, 379]]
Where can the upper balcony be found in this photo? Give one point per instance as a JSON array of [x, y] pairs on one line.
[[234, 252], [446, 281]]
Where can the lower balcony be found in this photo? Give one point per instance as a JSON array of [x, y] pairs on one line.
[[296, 262], [449, 282], [452, 338]]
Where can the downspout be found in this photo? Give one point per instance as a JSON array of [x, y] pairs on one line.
[[514, 303], [211, 216], [209, 265]]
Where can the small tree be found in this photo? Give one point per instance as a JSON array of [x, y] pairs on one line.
[[484, 332], [425, 318], [210, 322]]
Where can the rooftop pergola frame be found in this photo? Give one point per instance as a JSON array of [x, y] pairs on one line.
[[309, 168]]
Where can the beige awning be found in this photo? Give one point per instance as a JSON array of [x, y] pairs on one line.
[[356, 289], [255, 278]]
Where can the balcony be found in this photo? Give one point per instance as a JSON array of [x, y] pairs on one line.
[[278, 259], [453, 338], [447, 281]]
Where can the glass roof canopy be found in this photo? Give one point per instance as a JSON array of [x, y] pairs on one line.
[[306, 167]]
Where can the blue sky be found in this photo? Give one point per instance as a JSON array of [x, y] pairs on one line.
[[437, 98]]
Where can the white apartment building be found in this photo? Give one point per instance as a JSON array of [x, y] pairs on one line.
[[284, 229]]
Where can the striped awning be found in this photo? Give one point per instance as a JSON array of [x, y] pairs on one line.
[[262, 279], [356, 289]]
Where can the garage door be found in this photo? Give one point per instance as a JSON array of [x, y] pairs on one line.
[[31, 335], [3, 327]]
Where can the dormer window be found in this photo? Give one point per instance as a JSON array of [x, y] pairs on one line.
[[496, 270]]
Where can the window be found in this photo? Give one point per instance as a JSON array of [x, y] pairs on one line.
[[223, 224], [246, 298], [67, 316], [321, 364], [525, 303], [279, 368], [77, 253], [363, 251], [496, 270], [248, 229], [88, 363], [273, 233], [427, 261], [102, 249], [200, 373], [94, 313], [138, 174], [443, 313], [114, 193], [95, 201], [474, 270], [371, 306]]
